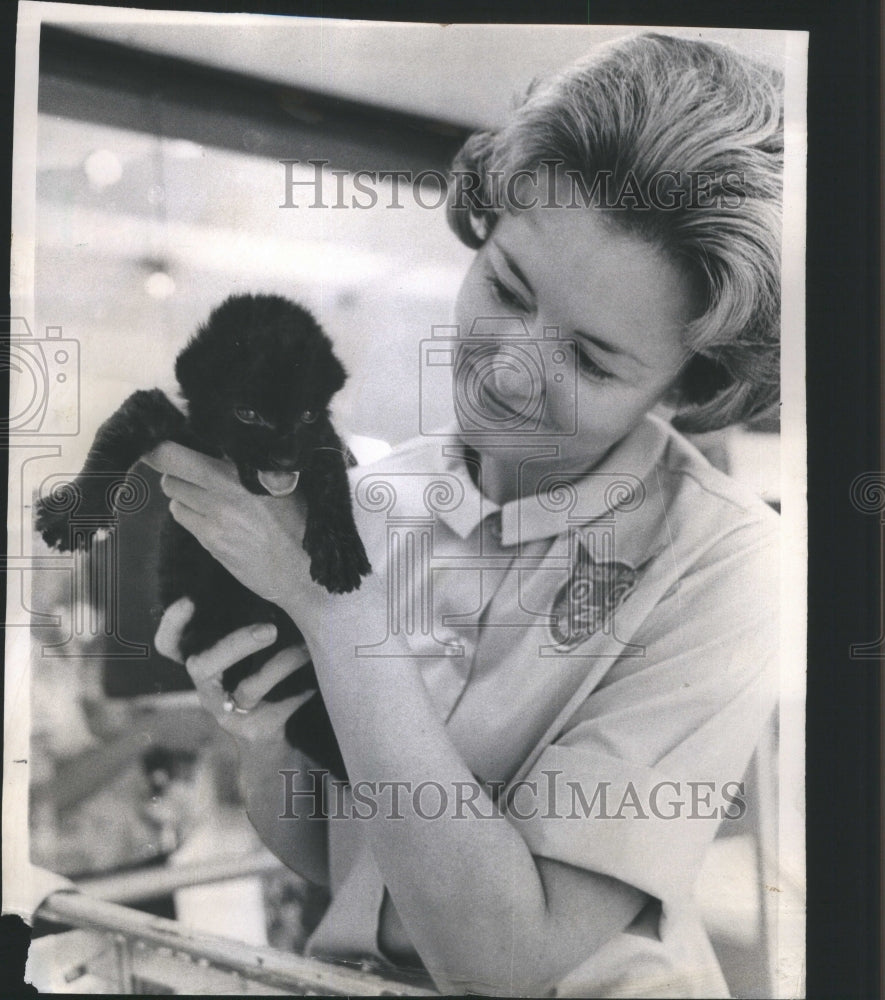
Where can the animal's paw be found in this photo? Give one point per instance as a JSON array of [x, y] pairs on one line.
[[53, 518], [338, 561], [71, 513], [54, 528]]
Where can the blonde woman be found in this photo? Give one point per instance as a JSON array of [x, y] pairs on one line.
[[530, 814]]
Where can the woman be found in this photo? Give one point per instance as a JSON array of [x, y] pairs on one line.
[[537, 769]]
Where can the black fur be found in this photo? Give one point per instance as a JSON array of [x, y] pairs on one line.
[[258, 377]]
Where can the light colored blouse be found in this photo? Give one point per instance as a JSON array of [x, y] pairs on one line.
[[604, 651]]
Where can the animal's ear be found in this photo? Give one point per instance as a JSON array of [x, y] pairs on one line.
[[336, 375], [187, 368]]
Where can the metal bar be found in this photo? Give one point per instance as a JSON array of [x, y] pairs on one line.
[[152, 882], [123, 953], [264, 965]]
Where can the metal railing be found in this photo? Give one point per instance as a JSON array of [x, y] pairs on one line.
[[130, 950]]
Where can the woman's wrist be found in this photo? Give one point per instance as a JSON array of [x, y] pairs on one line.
[[337, 624]]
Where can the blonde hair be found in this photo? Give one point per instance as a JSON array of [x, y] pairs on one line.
[[651, 108]]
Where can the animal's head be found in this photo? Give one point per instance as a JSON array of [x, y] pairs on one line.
[[258, 377]]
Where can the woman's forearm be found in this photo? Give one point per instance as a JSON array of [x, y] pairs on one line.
[[272, 777], [447, 877], [466, 887]]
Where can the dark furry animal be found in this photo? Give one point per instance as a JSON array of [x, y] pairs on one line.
[[257, 377]]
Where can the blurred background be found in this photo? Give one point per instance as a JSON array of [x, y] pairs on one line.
[[160, 190]]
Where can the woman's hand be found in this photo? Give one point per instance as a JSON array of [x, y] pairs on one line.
[[264, 752], [260, 721], [256, 538], [259, 539]]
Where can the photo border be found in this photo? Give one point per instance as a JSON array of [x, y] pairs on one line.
[[844, 435]]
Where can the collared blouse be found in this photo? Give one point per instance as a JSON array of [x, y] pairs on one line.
[[603, 653]]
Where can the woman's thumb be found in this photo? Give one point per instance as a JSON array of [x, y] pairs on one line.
[[168, 635]]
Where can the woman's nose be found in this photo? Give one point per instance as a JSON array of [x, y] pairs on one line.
[[513, 364], [515, 373]]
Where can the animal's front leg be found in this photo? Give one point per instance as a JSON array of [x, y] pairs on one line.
[[144, 420], [338, 560]]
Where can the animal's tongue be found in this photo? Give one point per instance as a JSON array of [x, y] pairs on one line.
[[279, 484]]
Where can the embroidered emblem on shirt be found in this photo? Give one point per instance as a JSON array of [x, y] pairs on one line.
[[585, 604]]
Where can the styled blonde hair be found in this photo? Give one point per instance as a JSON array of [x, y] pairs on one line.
[[667, 117]]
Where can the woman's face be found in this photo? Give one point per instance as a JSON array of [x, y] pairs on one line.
[[617, 308]]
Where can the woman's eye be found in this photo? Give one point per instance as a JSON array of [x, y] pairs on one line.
[[504, 295], [309, 416], [591, 368], [246, 415]]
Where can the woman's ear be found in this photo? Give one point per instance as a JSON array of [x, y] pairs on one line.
[[672, 398], [701, 380], [670, 403]]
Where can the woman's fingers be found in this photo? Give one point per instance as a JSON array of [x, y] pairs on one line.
[[188, 493], [211, 663], [253, 689], [193, 507], [193, 466], [259, 719], [168, 637], [189, 519], [268, 718]]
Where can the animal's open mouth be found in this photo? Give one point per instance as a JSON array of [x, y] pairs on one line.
[[279, 484]]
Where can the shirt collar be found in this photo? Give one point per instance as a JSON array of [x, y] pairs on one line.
[[619, 482]]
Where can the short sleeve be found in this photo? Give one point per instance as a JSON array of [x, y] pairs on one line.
[[638, 782]]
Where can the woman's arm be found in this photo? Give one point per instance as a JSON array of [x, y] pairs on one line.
[[482, 911], [301, 844]]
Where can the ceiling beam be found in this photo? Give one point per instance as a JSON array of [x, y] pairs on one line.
[[112, 84]]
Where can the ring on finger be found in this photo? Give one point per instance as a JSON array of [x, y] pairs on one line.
[[230, 705]]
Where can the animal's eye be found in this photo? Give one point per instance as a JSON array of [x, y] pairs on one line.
[[309, 416], [246, 415]]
